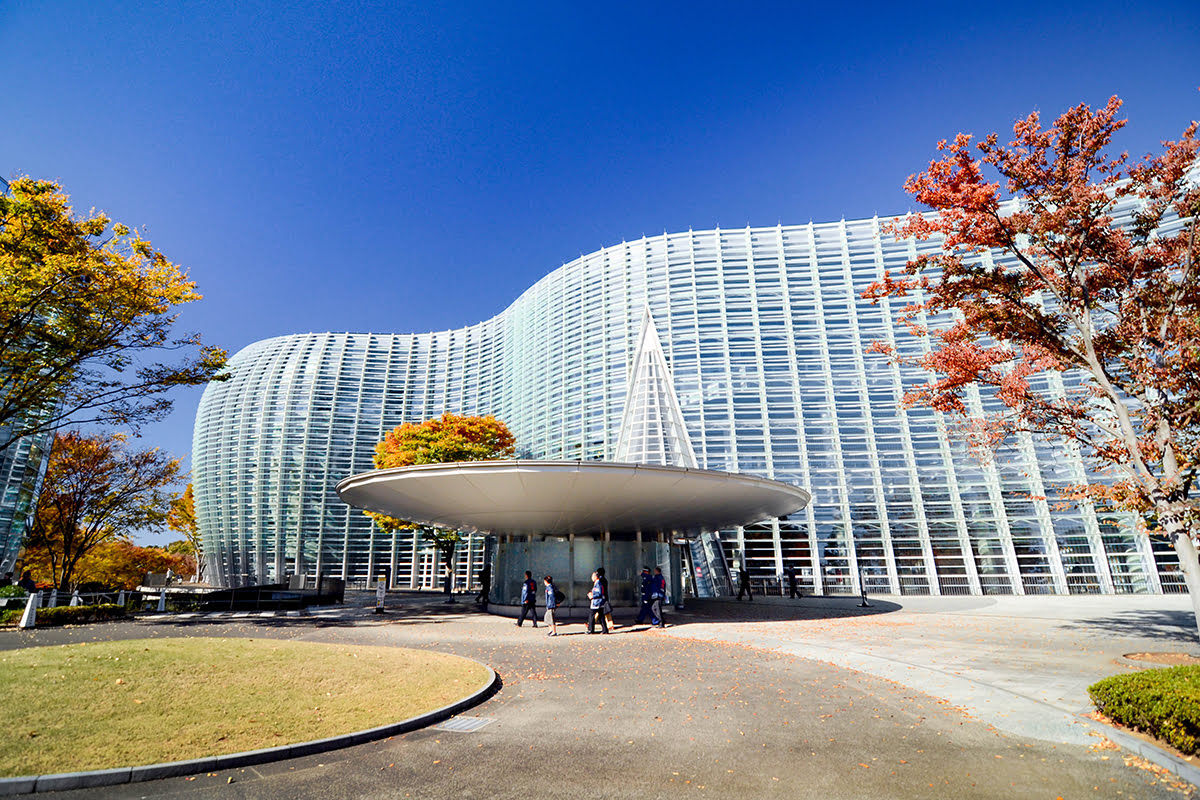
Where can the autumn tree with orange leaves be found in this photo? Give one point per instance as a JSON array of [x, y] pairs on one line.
[[1113, 307], [451, 437], [97, 489]]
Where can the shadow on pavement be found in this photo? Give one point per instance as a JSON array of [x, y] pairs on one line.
[[1168, 626], [805, 608]]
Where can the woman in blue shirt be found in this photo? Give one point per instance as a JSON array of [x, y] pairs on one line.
[[597, 612], [551, 604]]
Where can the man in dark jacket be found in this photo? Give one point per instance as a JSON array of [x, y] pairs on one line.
[[744, 584], [528, 599], [646, 610]]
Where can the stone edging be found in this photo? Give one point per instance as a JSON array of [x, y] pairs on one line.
[[1153, 754], [29, 784]]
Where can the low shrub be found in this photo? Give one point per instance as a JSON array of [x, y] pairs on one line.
[[12, 590], [1164, 703], [67, 615]]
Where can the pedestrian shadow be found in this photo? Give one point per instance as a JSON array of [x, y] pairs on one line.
[[1162, 625], [778, 609]]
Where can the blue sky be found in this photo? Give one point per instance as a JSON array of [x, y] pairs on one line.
[[410, 167]]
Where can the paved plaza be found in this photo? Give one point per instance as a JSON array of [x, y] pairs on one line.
[[913, 697]]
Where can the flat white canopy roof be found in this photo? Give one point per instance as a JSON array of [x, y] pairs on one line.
[[562, 497]]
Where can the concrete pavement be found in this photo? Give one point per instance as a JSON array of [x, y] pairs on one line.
[[1022, 664], [720, 704]]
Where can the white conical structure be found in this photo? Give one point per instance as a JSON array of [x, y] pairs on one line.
[[652, 429]]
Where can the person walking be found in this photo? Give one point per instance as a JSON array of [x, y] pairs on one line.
[[646, 611], [658, 593], [607, 605], [528, 599], [793, 592], [552, 595], [597, 606], [485, 586], [744, 584], [27, 583]]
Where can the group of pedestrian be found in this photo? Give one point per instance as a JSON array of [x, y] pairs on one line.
[[653, 592], [744, 587]]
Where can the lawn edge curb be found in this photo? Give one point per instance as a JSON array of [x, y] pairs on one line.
[[1153, 754], [30, 784]]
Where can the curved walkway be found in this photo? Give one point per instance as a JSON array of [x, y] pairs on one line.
[[678, 713]]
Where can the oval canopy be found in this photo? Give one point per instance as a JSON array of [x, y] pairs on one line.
[[564, 497]]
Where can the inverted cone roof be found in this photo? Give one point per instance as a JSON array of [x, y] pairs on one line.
[[564, 497]]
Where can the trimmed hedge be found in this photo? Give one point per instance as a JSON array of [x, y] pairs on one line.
[[1164, 703], [67, 615]]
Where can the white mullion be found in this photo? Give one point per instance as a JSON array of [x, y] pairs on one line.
[[843, 489], [885, 536], [790, 339]]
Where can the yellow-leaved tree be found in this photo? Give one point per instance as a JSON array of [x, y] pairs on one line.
[[86, 312], [451, 437]]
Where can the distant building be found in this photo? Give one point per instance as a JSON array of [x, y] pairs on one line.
[[767, 343], [22, 466]]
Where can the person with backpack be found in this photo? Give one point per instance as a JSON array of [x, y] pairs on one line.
[[553, 598], [658, 593], [597, 606], [528, 599], [646, 610]]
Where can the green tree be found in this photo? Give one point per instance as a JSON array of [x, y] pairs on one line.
[[182, 519], [448, 438], [97, 489], [86, 312], [1092, 337]]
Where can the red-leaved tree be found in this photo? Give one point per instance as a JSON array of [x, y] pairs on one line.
[[1048, 274]]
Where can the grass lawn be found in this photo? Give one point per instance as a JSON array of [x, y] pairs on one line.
[[114, 704]]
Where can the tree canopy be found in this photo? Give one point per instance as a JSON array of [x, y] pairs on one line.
[[97, 489], [87, 308], [451, 437], [118, 564], [1090, 331]]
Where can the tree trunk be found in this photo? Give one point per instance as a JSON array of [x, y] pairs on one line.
[[1189, 562]]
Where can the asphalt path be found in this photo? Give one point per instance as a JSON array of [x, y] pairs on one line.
[[646, 714]]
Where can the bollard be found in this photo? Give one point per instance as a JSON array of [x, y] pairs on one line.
[[53, 599], [75, 601], [380, 593], [862, 585], [121, 599], [162, 600], [29, 618]]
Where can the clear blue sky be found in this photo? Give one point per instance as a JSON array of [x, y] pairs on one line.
[[408, 167]]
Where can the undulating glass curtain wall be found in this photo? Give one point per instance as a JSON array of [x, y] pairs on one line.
[[768, 342], [22, 465]]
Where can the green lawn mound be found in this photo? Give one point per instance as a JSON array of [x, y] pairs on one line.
[[115, 704], [1164, 703]]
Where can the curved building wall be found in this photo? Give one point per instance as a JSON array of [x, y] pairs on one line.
[[767, 339]]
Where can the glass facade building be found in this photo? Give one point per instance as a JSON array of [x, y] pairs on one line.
[[22, 465], [767, 341]]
